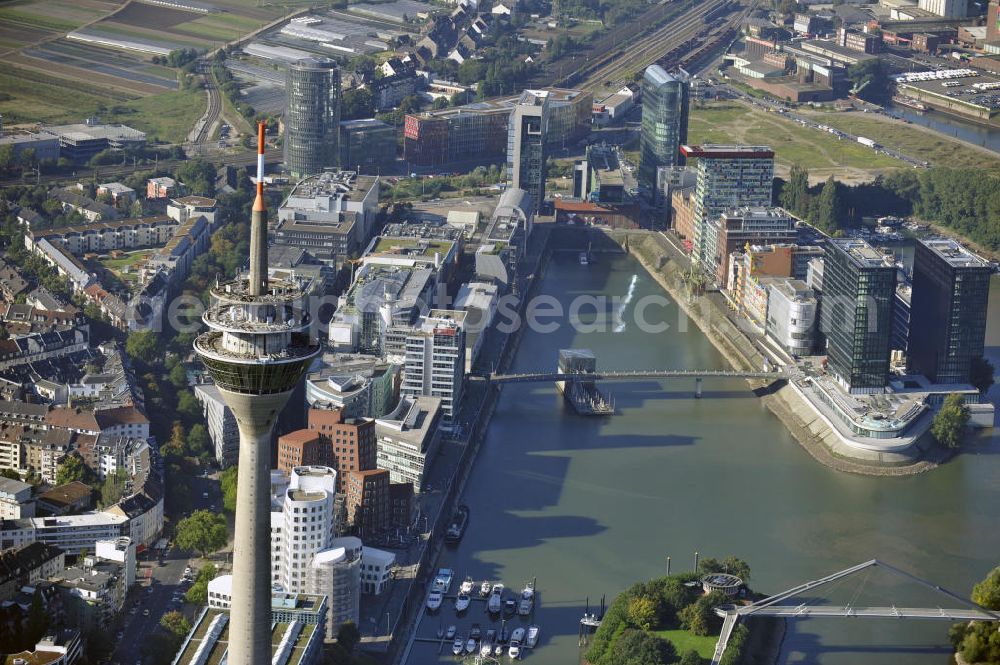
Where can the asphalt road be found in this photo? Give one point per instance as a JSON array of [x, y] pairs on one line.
[[155, 592]]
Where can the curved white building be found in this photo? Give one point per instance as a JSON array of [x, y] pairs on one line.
[[303, 524], [336, 573]]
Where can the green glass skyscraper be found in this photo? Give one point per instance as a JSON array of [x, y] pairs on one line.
[[664, 123]]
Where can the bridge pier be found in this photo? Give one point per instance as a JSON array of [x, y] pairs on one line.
[[697, 387]]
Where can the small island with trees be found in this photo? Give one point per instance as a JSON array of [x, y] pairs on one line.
[[671, 619]]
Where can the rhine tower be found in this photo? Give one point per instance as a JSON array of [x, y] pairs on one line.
[[257, 349]]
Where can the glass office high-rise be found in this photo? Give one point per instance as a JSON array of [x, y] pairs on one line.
[[526, 152], [664, 122], [951, 289], [859, 286], [312, 116]]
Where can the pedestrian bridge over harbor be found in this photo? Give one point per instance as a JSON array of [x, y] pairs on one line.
[[629, 375], [777, 606]]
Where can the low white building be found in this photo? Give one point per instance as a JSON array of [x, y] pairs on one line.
[[120, 550], [791, 315], [336, 573], [376, 570], [16, 499]]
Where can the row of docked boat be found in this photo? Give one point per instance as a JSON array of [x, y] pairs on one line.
[[493, 643], [498, 601]]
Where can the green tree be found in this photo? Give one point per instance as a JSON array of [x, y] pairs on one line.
[[795, 193], [176, 624], [871, 80], [698, 617], [642, 612], [227, 479], [113, 487], [690, 657], [981, 374], [143, 345], [950, 421], [348, 636], [987, 592], [198, 593], [198, 176], [357, 103], [203, 532], [188, 406], [199, 443], [731, 565], [637, 647], [73, 468], [178, 376], [37, 620], [829, 207], [10, 473]]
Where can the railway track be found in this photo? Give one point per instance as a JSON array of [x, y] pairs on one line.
[[207, 121], [673, 35]]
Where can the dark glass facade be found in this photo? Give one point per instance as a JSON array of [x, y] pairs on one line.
[[312, 116], [664, 123], [858, 293], [951, 291]]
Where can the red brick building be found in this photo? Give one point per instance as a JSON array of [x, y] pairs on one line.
[[303, 448], [368, 501], [351, 441]]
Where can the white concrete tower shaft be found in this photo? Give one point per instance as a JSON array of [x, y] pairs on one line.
[[257, 349]]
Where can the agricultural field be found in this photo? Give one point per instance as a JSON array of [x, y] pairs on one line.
[[182, 28], [822, 153], [33, 96], [75, 59], [25, 22]]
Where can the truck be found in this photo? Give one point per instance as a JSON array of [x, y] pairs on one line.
[[868, 142]]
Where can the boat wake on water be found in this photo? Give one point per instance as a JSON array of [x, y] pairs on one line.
[[620, 314]]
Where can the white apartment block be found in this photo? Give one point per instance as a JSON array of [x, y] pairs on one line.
[[434, 362]]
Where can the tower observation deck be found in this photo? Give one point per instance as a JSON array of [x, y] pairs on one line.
[[256, 349]]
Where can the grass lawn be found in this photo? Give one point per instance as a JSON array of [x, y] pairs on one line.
[[36, 97], [817, 151], [935, 147], [168, 116], [129, 259], [685, 641]]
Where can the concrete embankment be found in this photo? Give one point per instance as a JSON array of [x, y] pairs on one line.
[[801, 420]]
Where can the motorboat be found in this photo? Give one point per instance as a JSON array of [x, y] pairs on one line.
[[517, 635], [491, 636], [504, 635], [584, 259], [434, 600], [531, 639], [527, 600], [462, 602], [484, 589], [470, 646], [442, 581], [476, 632], [458, 646], [495, 603], [486, 649], [450, 633], [509, 605], [467, 586], [498, 650], [456, 528], [514, 651]]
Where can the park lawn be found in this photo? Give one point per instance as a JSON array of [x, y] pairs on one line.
[[35, 97], [169, 116], [792, 143], [935, 147], [685, 641], [129, 259]]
